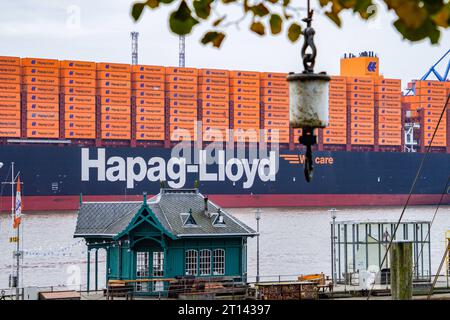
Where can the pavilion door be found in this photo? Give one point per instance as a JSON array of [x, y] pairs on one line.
[[149, 267]]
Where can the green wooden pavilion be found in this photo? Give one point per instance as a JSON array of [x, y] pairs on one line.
[[177, 233]]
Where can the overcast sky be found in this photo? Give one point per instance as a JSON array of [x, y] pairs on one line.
[[100, 31]]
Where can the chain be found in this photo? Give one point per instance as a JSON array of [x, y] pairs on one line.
[[309, 59]]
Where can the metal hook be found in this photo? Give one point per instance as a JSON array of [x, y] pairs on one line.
[[309, 59]]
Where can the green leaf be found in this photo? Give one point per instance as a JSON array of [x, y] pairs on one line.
[[213, 37], [294, 32], [273, 1], [219, 21], [258, 27], [426, 30], [228, 1], [202, 8], [334, 17], [260, 10], [181, 21], [153, 3], [275, 24], [286, 3], [136, 10]]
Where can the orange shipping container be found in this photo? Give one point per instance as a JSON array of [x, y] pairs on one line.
[[14, 70], [31, 97], [253, 114], [192, 113], [276, 139], [155, 103], [211, 121], [9, 105], [337, 86], [276, 107], [74, 116], [386, 119], [215, 113], [431, 91], [43, 124], [115, 135], [46, 81], [362, 133], [115, 125], [363, 125], [244, 74], [433, 99], [245, 90], [42, 115], [182, 71], [10, 87], [390, 126], [362, 111], [334, 109], [388, 104], [69, 98], [244, 83], [222, 105], [276, 115], [177, 103], [390, 141], [275, 92], [213, 89], [213, 73], [276, 99], [360, 81], [275, 84], [113, 109], [45, 72], [362, 140], [83, 91], [45, 63], [42, 133], [245, 98], [246, 123], [360, 88], [181, 79], [338, 79], [150, 135], [9, 61], [75, 73], [82, 108], [183, 120], [9, 78], [43, 106], [182, 95], [390, 134], [116, 67], [388, 89], [273, 76], [276, 123], [107, 75], [361, 103], [390, 112], [148, 94], [388, 97], [213, 81], [363, 118], [9, 123], [334, 140], [150, 111], [337, 125], [429, 84], [361, 95], [73, 64], [337, 117], [116, 117], [40, 89], [335, 132], [150, 119], [338, 102], [147, 77], [150, 127], [388, 82], [114, 84], [147, 69], [115, 100], [79, 134], [181, 87], [338, 95], [206, 96], [246, 106], [10, 132], [142, 85], [279, 131]]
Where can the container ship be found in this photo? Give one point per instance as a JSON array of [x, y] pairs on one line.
[[112, 131]]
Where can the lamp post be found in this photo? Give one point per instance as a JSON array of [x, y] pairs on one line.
[[257, 217], [333, 212]]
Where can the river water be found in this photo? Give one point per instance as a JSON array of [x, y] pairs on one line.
[[293, 241]]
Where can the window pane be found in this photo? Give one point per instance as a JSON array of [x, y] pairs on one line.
[[205, 262], [158, 264], [191, 262], [219, 262], [142, 264]]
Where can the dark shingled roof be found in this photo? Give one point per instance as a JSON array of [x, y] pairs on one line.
[[170, 206]]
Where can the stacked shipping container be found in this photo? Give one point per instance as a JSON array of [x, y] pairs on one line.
[[114, 90], [214, 102], [182, 90], [40, 78], [78, 88], [360, 98], [148, 84], [10, 107], [389, 111], [245, 101], [336, 132], [275, 107]]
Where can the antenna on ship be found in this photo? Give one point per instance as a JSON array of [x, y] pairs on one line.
[[182, 51], [134, 47]]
